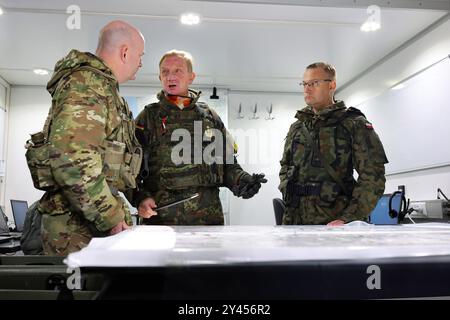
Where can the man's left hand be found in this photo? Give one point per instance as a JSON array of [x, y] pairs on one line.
[[249, 185]]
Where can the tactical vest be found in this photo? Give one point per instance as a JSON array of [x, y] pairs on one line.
[[159, 168], [333, 138], [121, 153]]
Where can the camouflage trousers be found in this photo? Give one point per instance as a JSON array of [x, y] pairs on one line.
[[206, 209], [66, 233], [314, 211]]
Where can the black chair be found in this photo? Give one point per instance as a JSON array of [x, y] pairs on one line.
[[278, 207]]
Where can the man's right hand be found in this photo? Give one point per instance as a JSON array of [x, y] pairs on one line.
[[146, 207], [121, 226]]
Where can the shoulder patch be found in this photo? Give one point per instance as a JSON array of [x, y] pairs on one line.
[[369, 126]]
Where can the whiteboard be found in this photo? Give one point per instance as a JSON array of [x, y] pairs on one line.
[[414, 122]]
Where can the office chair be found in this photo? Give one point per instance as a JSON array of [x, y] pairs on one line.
[[278, 207]]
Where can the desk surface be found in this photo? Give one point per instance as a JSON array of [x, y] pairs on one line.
[[298, 262]]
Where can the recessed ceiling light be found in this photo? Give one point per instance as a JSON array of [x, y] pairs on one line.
[[370, 26], [41, 72], [190, 19], [1, 11]]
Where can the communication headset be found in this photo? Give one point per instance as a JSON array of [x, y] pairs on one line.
[[403, 207]]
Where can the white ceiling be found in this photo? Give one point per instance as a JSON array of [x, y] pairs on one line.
[[239, 46]]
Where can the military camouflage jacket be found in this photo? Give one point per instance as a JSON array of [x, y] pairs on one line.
[[91, 126], [346, 141], [155, 126]]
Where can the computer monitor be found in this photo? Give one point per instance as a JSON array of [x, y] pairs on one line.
[[380, 215], [19, 210]]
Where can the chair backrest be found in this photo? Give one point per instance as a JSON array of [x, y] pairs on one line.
[[19, 210], [278, 207]]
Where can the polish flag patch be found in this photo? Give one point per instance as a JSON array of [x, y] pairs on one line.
[[369, 126]]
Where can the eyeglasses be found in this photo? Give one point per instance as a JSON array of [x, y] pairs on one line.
[[313, 83]]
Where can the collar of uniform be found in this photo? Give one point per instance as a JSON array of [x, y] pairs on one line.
[[338, 105], [180, 101], [76, 60], [194, 95], [324, 114]]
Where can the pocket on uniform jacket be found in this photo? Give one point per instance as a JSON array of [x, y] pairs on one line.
[[130, 168], [298, 147], [295, 145], [289, 176], [114, 156], [344, 150], [176, 178], [328, 143], [38, 161], [329, 192]]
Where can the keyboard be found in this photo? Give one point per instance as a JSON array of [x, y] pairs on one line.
[[13, 235]]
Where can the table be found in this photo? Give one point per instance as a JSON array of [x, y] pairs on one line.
[[264, 262]]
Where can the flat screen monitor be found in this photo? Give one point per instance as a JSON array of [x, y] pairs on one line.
[[19, 210]]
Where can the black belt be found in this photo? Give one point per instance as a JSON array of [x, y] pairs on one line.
[[306, 190]]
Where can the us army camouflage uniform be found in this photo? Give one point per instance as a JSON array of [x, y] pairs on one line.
[[88, 136], [167, 182], [346, 141]]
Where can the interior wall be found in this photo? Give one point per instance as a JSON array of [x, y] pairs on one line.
[[421, 185], [28, 109], [413, 57], [4, 103], [260, 147], [419, 54]]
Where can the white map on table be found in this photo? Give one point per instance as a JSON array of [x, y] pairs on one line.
[[179, 246]]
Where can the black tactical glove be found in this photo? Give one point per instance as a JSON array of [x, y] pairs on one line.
[[249, 185]]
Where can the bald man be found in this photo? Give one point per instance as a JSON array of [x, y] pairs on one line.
[[93, 153]]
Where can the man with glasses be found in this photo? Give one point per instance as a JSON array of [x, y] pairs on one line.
[[322, 148]]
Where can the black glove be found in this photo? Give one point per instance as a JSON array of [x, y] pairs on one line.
[[249, 185]]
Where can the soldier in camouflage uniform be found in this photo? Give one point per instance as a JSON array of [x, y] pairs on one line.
[[322, 148], [92, 147], [165, 181]]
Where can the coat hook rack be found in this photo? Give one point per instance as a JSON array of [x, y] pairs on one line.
[[270, 113]]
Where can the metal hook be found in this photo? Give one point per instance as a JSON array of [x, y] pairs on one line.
[[255, 110], [240, 116], [270, 113]]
